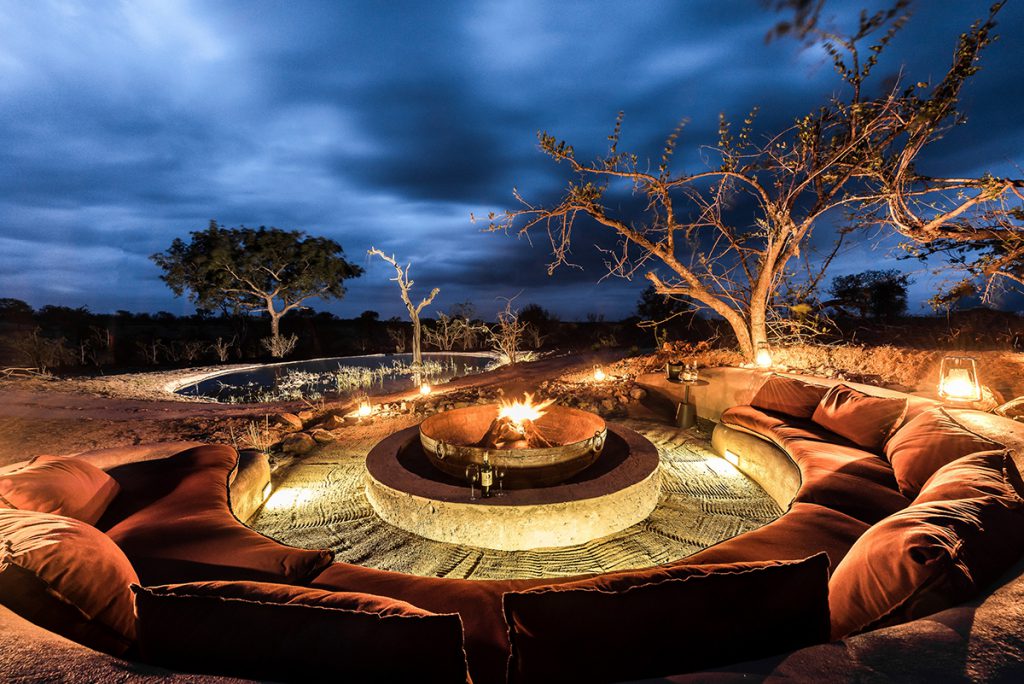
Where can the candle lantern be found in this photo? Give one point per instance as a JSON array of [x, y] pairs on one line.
[[764, 357], [599, 374], [673, 369], [958, 379]]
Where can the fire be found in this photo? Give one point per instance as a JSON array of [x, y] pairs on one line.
[[518, 412]]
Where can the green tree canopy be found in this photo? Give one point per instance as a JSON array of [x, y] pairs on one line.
[[262, 269], [875, 294]]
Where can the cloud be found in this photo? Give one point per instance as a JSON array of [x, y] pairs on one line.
[[126, 125]]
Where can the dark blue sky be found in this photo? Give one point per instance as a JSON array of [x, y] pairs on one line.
[[126, 124]]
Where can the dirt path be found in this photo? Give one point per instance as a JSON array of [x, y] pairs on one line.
[[58, 417]]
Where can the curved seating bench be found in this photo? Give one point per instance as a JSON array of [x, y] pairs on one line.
[[173, 518]]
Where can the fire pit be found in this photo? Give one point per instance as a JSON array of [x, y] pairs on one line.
[[527, 444]]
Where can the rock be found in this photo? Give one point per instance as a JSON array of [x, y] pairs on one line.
[[322, 436], [637, 393], [332, 421], [289, 421], [607, 405], [622, 398], [306, 415], [298, 443]]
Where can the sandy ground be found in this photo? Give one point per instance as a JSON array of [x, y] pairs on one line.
[[71, 415]]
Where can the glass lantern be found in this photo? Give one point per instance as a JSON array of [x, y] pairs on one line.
[[958, 379]]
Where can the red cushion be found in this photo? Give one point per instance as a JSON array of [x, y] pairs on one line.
[[931, 555], [184, 530], [927, 443], [847, 479], [987, 473], [68, 577], [477, 601], [789, 396], [806, 529], [658, 622], [777, 427], [287, 633], [865, 420], [62, 485]]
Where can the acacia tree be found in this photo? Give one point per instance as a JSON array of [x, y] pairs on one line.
[[264, 269], [404, 284], [853, 155]]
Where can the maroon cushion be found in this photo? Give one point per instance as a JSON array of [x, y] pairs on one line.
[[777, 427], [928, 442], [186, 532], [477, 601], [62, 485], [653, 623], [865, 420], [288, 633], [806, 529], [933, 554], [789, 396], [847, 479], [986, 473], [68, 577]]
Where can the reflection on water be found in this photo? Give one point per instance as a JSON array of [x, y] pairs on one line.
[[337, 377]]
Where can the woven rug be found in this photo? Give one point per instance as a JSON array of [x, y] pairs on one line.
[[318, 502]]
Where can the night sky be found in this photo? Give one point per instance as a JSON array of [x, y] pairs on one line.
[[126, 124]]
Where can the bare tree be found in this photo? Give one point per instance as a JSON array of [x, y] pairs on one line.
[[280, 345], [404, 284], [445, 332], [507, 333], [397, 335], [40, 352], [223, 349], [854, 155], [151, 350]]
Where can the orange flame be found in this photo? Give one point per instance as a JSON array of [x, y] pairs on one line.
[[517, 412]]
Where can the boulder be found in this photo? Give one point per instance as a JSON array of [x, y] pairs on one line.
[[306, 415], [298, 443], [332, 421], [322, 436], [289, 421], [637, 393]]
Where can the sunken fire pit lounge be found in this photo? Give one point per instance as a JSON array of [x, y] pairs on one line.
[[899, 557]]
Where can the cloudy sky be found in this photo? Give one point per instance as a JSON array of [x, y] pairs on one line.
[[126, 124]]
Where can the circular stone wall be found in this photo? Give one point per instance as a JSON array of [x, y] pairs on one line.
[[619, 490]]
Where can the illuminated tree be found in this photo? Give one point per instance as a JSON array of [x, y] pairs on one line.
[[264, 269], [851, 159], [405, 285]]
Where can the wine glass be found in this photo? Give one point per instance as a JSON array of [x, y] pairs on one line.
[[473, 475]]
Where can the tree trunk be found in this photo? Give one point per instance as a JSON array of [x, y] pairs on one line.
[[274, 335], [417, 353]]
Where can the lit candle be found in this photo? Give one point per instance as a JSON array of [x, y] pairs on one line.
[[425, 389], [599, 374], [364, 409], [764, 358]]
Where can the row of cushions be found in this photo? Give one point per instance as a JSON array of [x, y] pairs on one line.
[[71, 579], [965, 528], [864, 420], [62, 485], [915, 451]]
